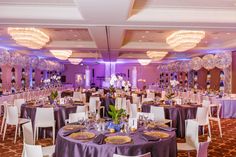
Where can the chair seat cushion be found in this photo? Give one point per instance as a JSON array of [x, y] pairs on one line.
[[185, 147]]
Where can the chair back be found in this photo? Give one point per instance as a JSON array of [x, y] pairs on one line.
[[12, 115], [178, 101], [202, 115], [159, 113], [19, 103], [44, 117], [33, 150], [151, 95], [77, 96], [133, 110], [163, 94], [93, 102], [147, 99], [191, 133], [206, 103], [28, 137], [75, 117], [118, 102], [80, 109], [143, 155], [203, 147]]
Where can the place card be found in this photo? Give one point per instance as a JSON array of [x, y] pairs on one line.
[[133, 123]]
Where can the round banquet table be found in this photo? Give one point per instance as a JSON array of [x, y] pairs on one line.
[[178, 114], [228, 107], [68, 147], [61, 113]]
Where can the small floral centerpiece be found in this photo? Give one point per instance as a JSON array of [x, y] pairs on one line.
[[53, 96], [170, 94], [116, 115]]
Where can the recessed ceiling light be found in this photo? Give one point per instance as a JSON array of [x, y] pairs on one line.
[[228, 33], [143, 36], [146, 31]]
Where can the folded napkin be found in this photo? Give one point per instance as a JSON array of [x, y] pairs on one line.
[[100, 139], [67, 133], [149, 138], [166, 128]]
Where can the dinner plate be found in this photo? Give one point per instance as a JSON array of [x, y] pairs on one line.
[[118, 139], [72, 127], [157, 134], [82, 135]]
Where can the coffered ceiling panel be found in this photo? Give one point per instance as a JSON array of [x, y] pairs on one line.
[[38, 2], [115, 30]]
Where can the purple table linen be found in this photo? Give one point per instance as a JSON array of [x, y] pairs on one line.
[[61, 113], [228, 108], [178, 115], [67, 147]]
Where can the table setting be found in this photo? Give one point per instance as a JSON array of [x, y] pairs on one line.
[[96, 138]]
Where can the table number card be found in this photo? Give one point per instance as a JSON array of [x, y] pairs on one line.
[[133, 123], [62, 101]]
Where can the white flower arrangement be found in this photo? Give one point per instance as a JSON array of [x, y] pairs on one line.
[[174, 83]]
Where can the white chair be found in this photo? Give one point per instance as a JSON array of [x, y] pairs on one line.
[[147, 100], [75, 117], [151, 95], [203, 147], [133, 110], [44, 118], [76, 96], [28, 139], [81, 109], [19, 103], [163, 95], [143, 155], [206, 103], [32, 151], [217, 118], [5, 104], [93, 101], [136, 100], [120, 103], [95, 105], [203, 119], [12, 119], [178, 101], [159, 115], [191, 137]]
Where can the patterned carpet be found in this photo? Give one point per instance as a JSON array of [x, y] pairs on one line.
[[225, 147]]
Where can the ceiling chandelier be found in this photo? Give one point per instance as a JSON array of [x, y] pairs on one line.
[[156, 55], [61, 54], [144, 61], [29, 37], [75, 60], [184, 39]]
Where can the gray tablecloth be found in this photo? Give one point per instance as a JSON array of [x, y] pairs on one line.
[[61, 113], [178, 115], [67, 147], [228, 108]]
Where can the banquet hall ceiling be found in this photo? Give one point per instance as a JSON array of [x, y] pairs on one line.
[[120, 30]]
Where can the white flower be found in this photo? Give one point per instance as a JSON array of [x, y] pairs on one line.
[[222, 88], [174, 83]]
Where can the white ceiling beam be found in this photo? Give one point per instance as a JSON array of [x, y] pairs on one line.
[[98, 34]]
